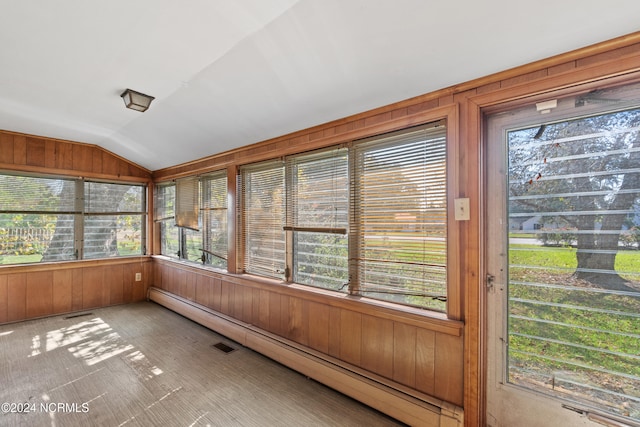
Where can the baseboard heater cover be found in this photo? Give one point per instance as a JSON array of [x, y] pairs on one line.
[[392, 401]]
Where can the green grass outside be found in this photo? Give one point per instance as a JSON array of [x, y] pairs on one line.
[[124, 249], [19, 259], [627, 261], [523, 235], [577, 332]]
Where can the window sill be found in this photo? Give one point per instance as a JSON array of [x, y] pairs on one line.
[[61, 265], [192, 264]]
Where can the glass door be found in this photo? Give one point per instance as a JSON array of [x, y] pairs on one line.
[[563, 261]]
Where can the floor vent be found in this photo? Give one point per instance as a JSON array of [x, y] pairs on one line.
[[223, 347], [73, 316]]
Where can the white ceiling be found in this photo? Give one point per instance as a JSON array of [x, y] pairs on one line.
[[230, 73]]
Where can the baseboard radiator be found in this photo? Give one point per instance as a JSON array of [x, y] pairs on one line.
[[403, 404]]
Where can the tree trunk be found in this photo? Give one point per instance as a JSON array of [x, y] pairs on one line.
[[596, 256], [100, 231], [62, 247], [597, 252]]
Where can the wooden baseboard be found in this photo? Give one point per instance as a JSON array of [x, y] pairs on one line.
[[395, 400]]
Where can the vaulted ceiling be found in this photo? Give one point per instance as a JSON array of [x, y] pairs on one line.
[[230, 73]]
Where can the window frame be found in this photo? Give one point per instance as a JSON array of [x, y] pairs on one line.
[[454, 228], [167, 217], [80, 212], [499, 120], [90, 213], [208, 207], [293, 228], [251, 263], [164, 217], [415, 141]]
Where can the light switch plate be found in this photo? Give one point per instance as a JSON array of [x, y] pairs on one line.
[[461, 207]]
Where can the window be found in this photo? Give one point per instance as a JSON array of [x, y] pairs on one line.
[[317, 208], [214, 219], [369, 219], [56, 219], [192, 214], [400, 217], [188, 220], [114, 219], [263, 211], [165, 196]]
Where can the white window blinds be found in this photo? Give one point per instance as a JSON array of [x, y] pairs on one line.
[[214, 218], [187, 202], [45, 219], [263, 237], [370, 218], [113, 219], [317, 217], [399, 217], [38, 218], [165, 198]]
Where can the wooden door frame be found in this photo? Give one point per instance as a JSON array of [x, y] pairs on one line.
[[473, 165]]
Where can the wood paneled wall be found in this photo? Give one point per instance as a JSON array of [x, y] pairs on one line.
[[407, 348], [35, 154], [28, 292], [38, 290], [615, 60]]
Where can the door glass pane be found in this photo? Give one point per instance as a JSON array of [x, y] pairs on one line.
[[574, 260]]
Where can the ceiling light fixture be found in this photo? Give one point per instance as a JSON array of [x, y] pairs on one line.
[[136, 100]]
